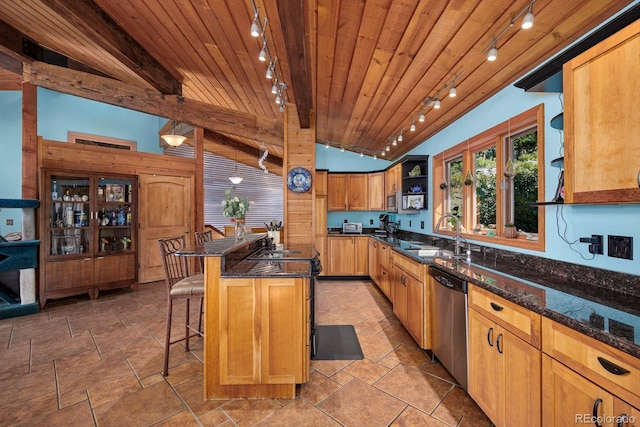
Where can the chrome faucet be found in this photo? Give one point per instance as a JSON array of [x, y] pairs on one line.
[[458, 236]]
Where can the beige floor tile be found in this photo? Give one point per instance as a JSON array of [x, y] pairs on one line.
[[181, 419], [51, 348], [248, 412], [458, 405], [114, 389], [143, 408], [298, 413], [26, 387], [366, 370], [359, 404], [23, 411], [414, 387], [411, 417], [318, 388]]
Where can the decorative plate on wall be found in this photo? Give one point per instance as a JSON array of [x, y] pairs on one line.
[[299, 180]]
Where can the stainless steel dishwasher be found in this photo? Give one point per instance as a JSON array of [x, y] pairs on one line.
[[450, 322]]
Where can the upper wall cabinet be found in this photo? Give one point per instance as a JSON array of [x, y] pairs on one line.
[[347, 192], [602, 121]]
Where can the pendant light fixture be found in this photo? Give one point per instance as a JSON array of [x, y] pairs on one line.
[[173, 139], [236, 178]]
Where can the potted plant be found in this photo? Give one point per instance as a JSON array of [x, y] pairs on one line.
[[510, 230], [236, 208]]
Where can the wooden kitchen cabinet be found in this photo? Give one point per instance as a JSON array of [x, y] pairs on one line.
[[393, 179], [348, 255], [581, 373], [410, 298], [264, 338], [347, 192], [377, 196], [320, 221], [602, 121], [504, 359], [89, 228]]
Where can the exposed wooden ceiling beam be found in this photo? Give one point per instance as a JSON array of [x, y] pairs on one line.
[[10, 64], [96, 24], [11, 41], [292, 16], [113, 92], [236, 145]]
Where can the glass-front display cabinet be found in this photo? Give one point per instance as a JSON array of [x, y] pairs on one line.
[[89, 233]]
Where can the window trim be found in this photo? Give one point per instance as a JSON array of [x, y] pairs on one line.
[[493, 136]]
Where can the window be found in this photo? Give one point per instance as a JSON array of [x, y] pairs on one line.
[[494, 179]]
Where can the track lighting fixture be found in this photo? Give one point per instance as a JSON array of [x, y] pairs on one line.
[[421, 117], [255, 27], [527, 21], [436, 104], [387, 148], [375, 157], [342, 149], [259, 29], [361, 154], [412, 128], [452, 91], [400, 137], [284, 101], [493, 53], [395, 141], [262, 56], [356, 150]]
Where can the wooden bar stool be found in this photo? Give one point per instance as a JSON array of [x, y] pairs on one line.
[[180, 286]]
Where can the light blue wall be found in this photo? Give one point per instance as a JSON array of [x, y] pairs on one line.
[[564, 223], [57, 114], [335, 160]]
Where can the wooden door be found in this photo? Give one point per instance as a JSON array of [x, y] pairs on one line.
[[358, 192], [337, 192], [361, 248], [567, 395], [400, 294], [341, 256], [415, 309], [377, 196], [483, 378], [521, 382], [165, 210]]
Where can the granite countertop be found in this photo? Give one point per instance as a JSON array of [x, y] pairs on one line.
[[608, 315], [250, 257]]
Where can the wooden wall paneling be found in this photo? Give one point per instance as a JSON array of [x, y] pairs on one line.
[[62, 155], [298, 216], [29, 141]]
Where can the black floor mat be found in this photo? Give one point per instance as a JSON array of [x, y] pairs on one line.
[[337, 342]]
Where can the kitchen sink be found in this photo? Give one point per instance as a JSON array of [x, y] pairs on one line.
[[431, 252]]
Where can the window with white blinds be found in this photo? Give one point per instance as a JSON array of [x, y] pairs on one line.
[[265, 189]]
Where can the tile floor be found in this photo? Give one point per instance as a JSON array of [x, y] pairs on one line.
[[82, 362]]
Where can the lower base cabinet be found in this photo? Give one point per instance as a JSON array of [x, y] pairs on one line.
[[586, 382], [410, 296], [504, 375], [348, 256], [263, 337]]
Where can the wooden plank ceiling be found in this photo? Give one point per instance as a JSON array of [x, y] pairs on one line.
[[360, 69]]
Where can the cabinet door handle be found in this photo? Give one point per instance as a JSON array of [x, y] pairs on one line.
[[496, 307], [622, 419], [612, 367], [499, 343], [490, 337], [596, 404], [403, 280]]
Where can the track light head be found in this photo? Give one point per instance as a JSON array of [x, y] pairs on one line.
[[274, 88], [453, 92], [412, 128], [436, 104], [421, 117], [255, 29], [527, 21], [262, 56], [493, 54], [269, 73], [400, 137], [428, 101]]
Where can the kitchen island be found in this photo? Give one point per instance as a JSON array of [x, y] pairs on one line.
[[258, 317]]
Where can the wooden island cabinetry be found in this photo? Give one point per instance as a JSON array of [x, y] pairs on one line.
[[89, 233], [504, 359], [602, 121], [584, 377]]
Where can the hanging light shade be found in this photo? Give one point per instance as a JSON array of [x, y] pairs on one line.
[[172, 139], [527, 21], [453, 92], [236, 178], [436, 104], [412, 128], [493, 54]]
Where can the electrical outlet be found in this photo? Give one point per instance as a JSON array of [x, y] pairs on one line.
[[9, 222], [422, 225], [620, 247], [409, 223], [370, 222]]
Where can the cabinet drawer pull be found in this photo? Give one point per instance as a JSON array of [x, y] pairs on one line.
[[490, 337], [612, 367], [496, 307], [499, 343], [596, 404]]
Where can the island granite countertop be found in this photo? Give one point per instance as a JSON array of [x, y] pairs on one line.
[[251, 257]]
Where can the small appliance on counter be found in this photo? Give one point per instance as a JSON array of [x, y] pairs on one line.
[[351, 228], [392, 228], [384, 221]]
